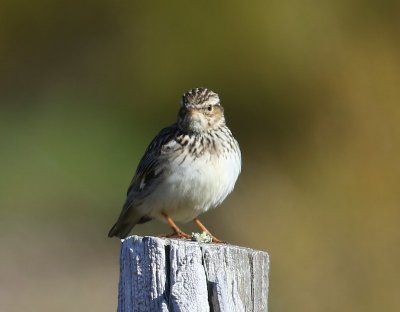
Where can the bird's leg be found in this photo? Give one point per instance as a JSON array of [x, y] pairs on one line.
[[177, 231], [204, 229]]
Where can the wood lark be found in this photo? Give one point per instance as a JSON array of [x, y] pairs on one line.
[[188, 168]]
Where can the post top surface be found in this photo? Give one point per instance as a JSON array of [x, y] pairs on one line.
[[168, 241]]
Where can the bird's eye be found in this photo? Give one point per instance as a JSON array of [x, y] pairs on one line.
[[209, 108]]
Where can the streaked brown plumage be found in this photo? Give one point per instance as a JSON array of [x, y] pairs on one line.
[[188, 168]]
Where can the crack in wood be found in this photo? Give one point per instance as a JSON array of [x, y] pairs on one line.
[[179, 275]]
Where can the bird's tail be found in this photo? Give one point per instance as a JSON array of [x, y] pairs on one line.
[[121, 229], [126, 221]]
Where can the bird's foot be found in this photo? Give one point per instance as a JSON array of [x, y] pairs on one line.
[[204, 229], [177, 234], [216, 240]]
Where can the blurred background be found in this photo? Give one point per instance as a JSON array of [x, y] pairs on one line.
[[310, 89]]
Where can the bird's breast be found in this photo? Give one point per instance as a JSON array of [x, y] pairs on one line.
[[194, 183]]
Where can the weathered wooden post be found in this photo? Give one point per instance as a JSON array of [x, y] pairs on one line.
[[161, 274]]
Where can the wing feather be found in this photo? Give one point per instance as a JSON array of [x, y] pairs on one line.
[[148, 175], [149, 167]]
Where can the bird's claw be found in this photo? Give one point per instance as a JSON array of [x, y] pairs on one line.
[[176, 235]]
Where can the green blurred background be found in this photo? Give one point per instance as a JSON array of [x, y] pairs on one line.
[[311, 90]]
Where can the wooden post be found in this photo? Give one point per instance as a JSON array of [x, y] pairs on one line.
[[160, 274]]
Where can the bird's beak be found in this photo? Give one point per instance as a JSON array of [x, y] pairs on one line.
[[194, 114]]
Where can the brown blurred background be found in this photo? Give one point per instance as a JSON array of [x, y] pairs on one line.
[[311, 90]]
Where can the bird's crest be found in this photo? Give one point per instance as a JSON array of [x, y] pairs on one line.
[[199, 97]]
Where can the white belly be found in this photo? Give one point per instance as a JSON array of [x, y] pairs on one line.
[[194, 186]]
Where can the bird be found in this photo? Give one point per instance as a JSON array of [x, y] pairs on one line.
[[189, 168]]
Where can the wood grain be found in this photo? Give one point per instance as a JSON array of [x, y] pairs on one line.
[[160, 274]]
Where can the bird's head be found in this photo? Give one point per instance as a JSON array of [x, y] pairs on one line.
[[200, 111]]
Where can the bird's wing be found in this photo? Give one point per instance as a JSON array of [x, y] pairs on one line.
[[151, 165], [148, 175]]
